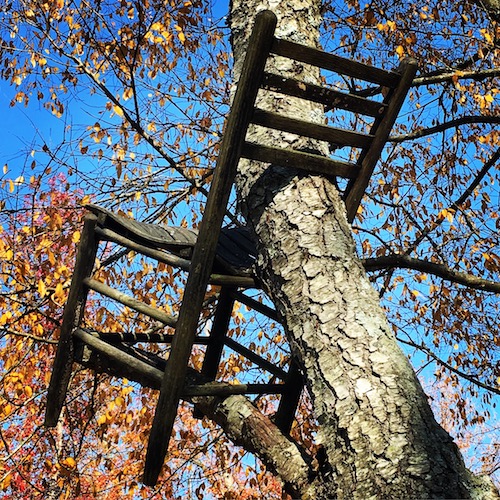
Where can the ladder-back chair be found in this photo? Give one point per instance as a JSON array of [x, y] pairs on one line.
[[200, 253]]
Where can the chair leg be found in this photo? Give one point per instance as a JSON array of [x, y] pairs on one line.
[[73, 312], [290, 399], [217, 336]]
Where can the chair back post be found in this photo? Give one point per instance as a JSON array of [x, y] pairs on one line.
[[259, 46]]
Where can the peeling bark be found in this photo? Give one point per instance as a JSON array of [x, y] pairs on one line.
[[377, 430]]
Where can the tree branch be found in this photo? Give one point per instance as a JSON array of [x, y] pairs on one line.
[[464, 120], [441, 270], [470, 378], [459, 201], [490, 6], [451, 76]]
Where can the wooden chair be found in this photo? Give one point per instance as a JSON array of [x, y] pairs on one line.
[[201, 253]]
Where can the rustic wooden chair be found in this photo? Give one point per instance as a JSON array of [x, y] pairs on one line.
[[201, 253]]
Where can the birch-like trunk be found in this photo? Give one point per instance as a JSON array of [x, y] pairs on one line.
[[377, 430]]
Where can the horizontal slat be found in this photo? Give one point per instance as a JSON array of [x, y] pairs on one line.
[[130, 363], [159, 255], [312, 163], [133, 367], [135, 338], [172, 260], [335, 63], [224, 390], [255, 358], [130, 302], [334, 136], [332, 99], [255, 304]]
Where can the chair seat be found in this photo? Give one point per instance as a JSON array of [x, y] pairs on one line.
[[236, 251]]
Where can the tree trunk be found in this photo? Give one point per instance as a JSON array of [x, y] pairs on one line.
[[376, 428]]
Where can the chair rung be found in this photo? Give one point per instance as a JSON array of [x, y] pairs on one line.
[[173, 260], [144, 338], [255, 358], [159, 255], [224, 389], [334, 136], [128, 301], [312, 163], [328, 97], [332, 62], [132, 365]]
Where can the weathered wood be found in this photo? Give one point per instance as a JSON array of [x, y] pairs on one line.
[[381, 130], [312, 163], [334, 136], [73, 312], [255, 358], [159, 255], [222, 389], [173, 260], [130, 366], [289, 401], [255, 304], [144, 338], [131, 363], [218, 334], [331, 62], [129, 301], [236, 251], [168, 237], [204, 251], [328, 97]]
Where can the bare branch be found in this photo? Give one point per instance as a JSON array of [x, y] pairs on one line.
[[464, 120], [441, 270], [459, 201], [450, 76], [470, 378]]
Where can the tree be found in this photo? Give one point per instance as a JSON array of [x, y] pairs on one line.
[[425, 211]]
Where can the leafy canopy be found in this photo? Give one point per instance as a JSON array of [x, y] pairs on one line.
[[141, 89]]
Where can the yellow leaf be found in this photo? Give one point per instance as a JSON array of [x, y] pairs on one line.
[[118, 110], [6, 482], [182, 37], [5, 317], [76, 237], [28, 391], [59, 293], [11, 186], [42, 289], [69, 462], [5, 168], [7, 409], [400, 50]]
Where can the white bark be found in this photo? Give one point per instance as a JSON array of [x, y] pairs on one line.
[[378, 432]]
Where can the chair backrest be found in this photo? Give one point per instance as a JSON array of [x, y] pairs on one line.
[[393, 84]]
